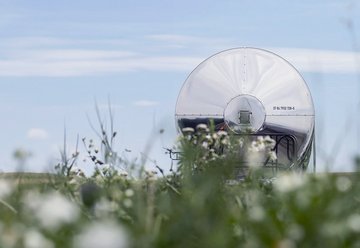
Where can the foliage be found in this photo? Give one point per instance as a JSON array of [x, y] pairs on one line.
[[203, 203]]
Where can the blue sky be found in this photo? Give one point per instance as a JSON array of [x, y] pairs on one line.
[[57, 57]]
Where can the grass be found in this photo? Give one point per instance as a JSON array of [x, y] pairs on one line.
[[37, 177], [196, 205], [28, 178]]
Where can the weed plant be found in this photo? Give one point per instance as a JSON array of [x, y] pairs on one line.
[[201, 203]]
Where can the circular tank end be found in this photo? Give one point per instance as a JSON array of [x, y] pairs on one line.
[[244, 113]]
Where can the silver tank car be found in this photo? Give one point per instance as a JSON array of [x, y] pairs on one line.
[[252, 89]]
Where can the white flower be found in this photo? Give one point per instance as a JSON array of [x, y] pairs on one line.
[[74, 181], [99, 178], [104, 207], [188, 130], [74, 169], [257, 213], [272, 156], [354, 222], [286, 243], [255, 157], [123, 173], [225, 141], [129, 192], [10, 235], [52, 209], [5, 188], [102, 234], [257, 145], [34, 239], [222, 133], [241, 142], [269, 141], [296, 232], [128, 203], [343, 184], [150, 175], [202, 127], [106, 168], [289, 182], [261, 146], [205, 144]]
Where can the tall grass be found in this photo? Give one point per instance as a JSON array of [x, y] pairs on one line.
[[201, 203]]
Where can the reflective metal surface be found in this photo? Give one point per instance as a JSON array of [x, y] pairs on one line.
[[251, 89]]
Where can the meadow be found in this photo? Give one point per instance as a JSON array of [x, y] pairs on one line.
[[200, 203]]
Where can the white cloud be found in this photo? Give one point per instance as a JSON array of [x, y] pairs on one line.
[[175, 38], [27, 58], [71, 54], [75, 63], [37, 134], [44, 41], [323, 61], [146, 103], [173, 41]]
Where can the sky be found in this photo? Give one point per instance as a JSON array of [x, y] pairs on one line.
[[60, 58]]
